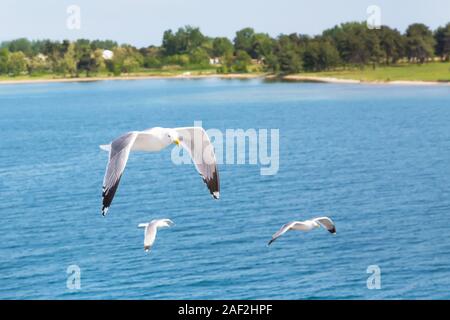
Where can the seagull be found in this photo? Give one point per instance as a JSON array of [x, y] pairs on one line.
[[192, 139], [306, 225], [150, 231]]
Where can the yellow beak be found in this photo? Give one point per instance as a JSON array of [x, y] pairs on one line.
[[177, 142]]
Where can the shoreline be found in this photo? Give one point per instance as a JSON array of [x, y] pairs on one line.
[[264, 76], [134, 77], [319, 79]]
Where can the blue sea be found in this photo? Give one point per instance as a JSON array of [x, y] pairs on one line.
[[374, 158]]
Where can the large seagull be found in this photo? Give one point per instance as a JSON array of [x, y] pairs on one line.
[[193, 139], [306, 225], [151, 229]]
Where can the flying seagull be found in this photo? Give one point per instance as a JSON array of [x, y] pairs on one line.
[[150, 231], [192, 139], [306, 225]]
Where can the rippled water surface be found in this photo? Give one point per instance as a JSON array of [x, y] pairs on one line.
[[374, 158]]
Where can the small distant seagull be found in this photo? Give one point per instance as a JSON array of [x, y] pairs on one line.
[[193, 139], [306, 225], [150, 230]]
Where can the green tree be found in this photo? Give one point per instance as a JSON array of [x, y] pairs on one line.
[[83, 53], [126, 59], [328, 55], [392, 44], [372, 43], [152, 57], [311, 56], [152, 62], [222, 46], [320, 54], [37, 47], [169, 43], [22, 44], [262, 46], [288, 54], [271, 63], [241, 61], [199, 57], [185, 40], [244, 40], [52, 49], [177, 59], [69, 62], [357, 45], [130, 64], [100, 64], [17, 63], [103, 44], [207, 45], [442, 37], [38, 65], [193, 38], [4, 57], [226, 63], [419, 43]]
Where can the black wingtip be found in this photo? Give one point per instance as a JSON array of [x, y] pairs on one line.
[[270, 242], [108, 195], [333, 231], [213, 184]]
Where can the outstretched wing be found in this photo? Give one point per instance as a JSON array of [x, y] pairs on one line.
[[196, 141], [142, 225], [150, 236], [118, 157], [327, 223], [282, 231]]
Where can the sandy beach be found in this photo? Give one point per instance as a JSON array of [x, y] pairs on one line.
[[135, 77], [354, 81]]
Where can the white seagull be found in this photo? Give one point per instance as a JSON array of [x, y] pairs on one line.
[[193, 139], [306, 225], [150, 230]]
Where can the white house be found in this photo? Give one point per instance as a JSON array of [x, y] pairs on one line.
[[107, 54], [214, 61]]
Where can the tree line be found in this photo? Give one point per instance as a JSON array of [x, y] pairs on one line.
[[347, 45]]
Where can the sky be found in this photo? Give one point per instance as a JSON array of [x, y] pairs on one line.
[[142, 22]]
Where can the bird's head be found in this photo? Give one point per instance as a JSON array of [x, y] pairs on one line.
[[174, 137]]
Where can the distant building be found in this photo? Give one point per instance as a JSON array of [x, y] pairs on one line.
[[41, 57], [107, 54], [214, 61], [258, 61]]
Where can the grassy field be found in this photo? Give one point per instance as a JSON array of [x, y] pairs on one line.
[[435, 71], [164, 72]]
